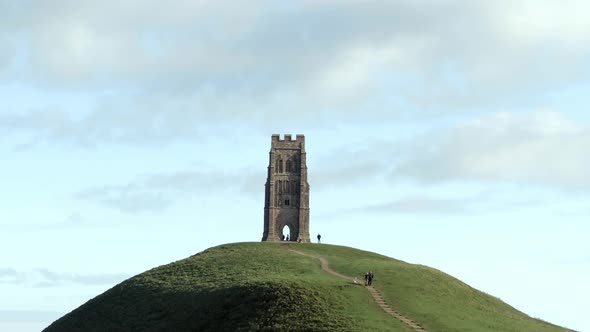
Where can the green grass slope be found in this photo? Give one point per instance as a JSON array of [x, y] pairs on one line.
[[264, 287]]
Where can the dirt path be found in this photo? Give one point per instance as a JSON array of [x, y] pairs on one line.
[[373, 291]]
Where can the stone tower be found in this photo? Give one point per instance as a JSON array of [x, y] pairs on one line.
[[287, 191]]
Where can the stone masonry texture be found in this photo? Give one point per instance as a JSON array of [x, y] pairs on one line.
[[286, 200]]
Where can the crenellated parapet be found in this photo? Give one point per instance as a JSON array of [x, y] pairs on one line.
[[288, 142]]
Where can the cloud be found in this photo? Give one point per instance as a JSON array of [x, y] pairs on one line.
[[46, 278], [71, 221], [447, 202], [345, 167], [158, 191], [134, 121], [542, 147], [10, 276], [326, 48], [419, 204], [530, 21], [576, 261], [151, 73], [28, 316], [127, 198]]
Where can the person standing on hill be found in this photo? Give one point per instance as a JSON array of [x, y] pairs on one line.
[[371, 276], [367, 279], [319, 238]]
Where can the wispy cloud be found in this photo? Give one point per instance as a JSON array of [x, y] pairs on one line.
[[576, 261], [28, 315], [445, 204], [42, 277], [8, 275], [347, 167], [543, 147], [158, 191], [420, 205]]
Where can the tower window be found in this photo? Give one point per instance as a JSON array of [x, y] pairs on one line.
[[287, 202], [289, 166]]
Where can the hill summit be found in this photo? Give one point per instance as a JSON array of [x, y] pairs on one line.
[[282, 287]]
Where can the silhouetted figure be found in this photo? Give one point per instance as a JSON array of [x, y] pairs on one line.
[[319, 238], [367, 279], [370, 278], [283, 237], [287, 237]]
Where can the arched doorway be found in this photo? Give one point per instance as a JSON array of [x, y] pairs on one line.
[[287, 236]]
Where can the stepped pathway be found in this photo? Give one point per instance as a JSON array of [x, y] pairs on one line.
[[373, 291]]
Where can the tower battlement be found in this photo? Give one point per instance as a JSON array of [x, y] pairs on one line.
[[287, 141], [288, 138]]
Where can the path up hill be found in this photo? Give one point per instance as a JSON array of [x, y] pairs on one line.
[[267, 287]]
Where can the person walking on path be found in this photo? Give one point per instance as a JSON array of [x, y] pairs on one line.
[[371, 276], [367, 279], [319, 238]]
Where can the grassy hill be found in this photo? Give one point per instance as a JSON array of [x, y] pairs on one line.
[[265, 287]]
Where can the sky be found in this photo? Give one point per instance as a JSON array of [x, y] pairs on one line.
[[454, 134]]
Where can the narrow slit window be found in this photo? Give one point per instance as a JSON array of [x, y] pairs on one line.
[[287, 202]]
